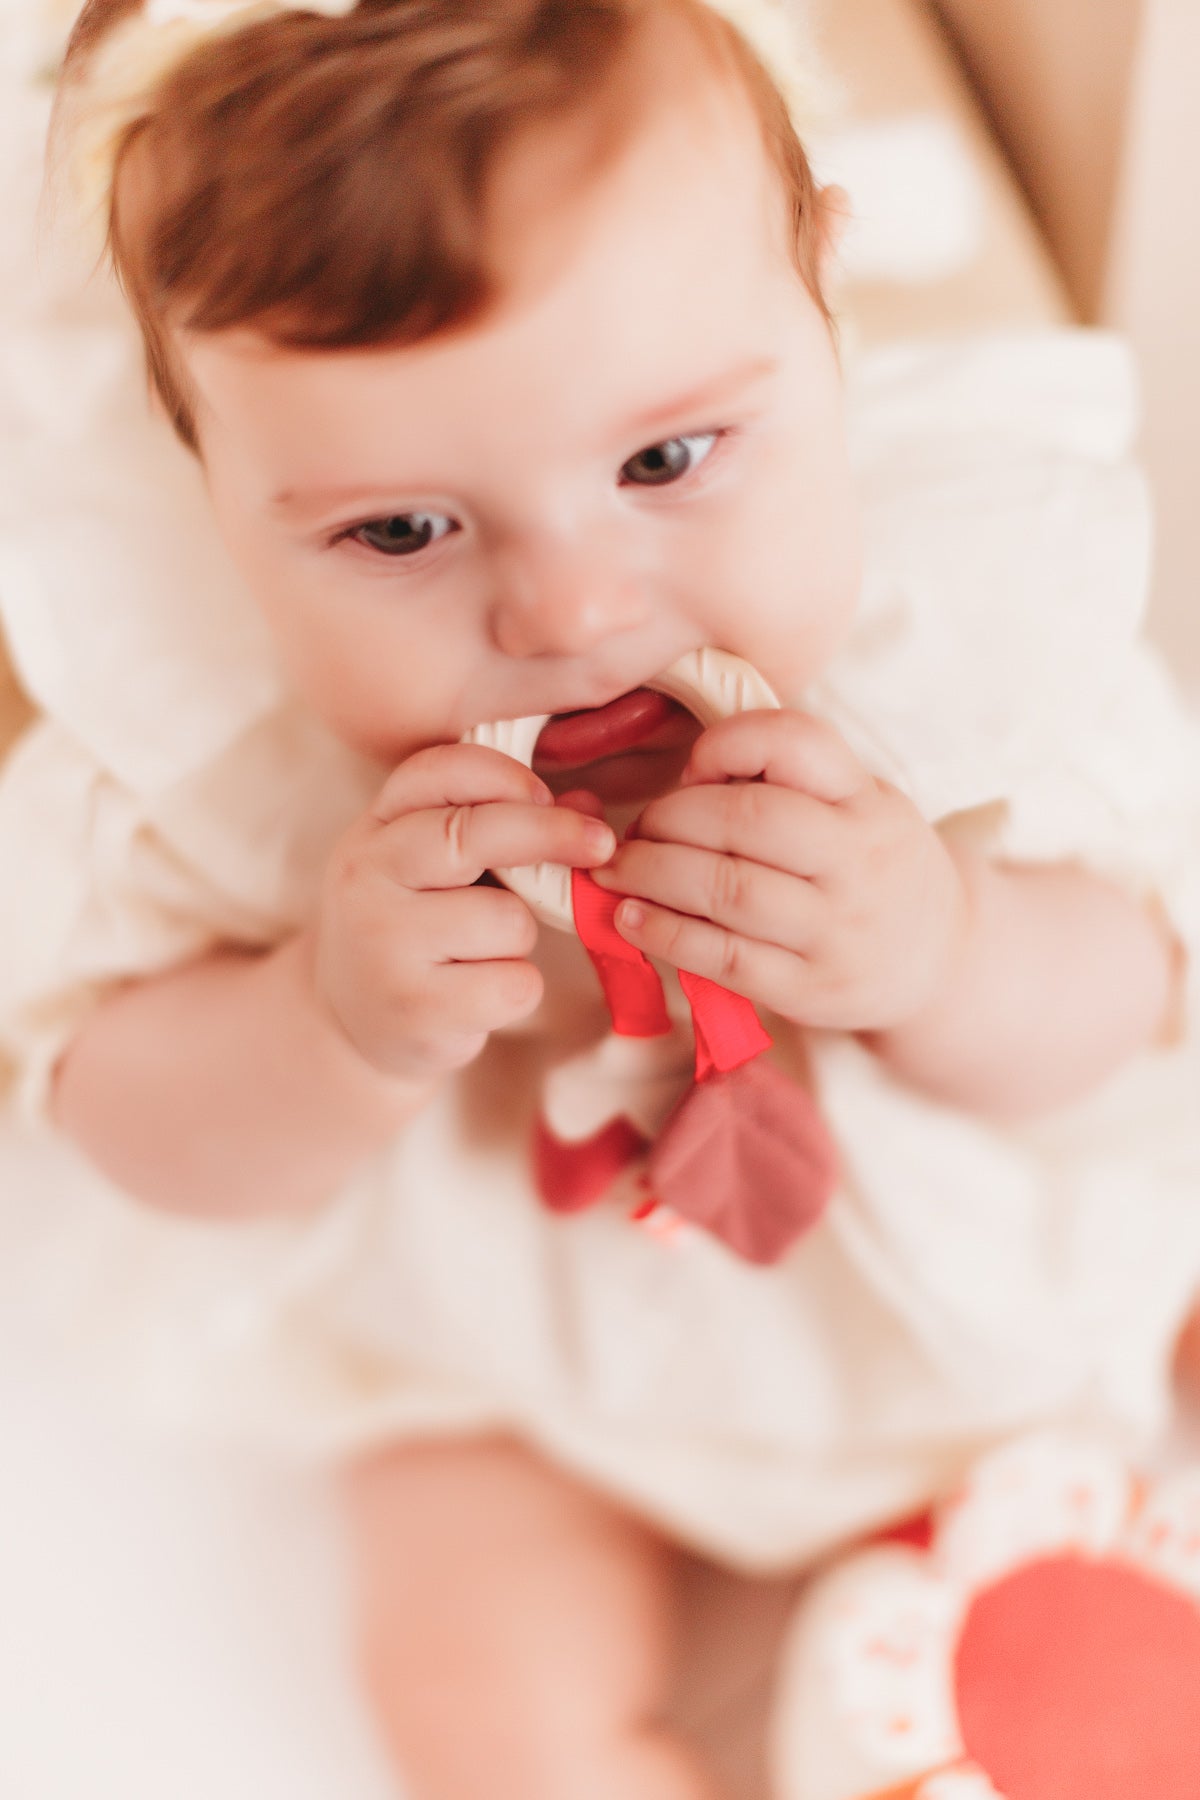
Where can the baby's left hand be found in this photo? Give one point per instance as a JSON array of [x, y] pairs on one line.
[[783, 870]]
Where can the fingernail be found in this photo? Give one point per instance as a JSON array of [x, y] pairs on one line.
[[599, 838], [630, 916]]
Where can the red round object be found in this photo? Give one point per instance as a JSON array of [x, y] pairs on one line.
[[1080, 1680]]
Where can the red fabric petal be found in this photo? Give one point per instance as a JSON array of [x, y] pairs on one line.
[[748, 1156], [573, 1175]]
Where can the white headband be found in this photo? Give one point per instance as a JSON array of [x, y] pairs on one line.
[[133, 61]]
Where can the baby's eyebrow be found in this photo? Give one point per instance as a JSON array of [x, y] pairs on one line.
[[710, 392], [295, 502], [713, 391]]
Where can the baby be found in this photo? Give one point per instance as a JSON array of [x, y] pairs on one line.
[[498, 331]]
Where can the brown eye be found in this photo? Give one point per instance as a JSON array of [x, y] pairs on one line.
[[660, 464], [403, 534]]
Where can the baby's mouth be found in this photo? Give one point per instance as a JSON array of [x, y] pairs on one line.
[[571, 739], [632, 747]]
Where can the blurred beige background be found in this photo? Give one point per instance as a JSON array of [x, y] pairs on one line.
[[1095, 105]]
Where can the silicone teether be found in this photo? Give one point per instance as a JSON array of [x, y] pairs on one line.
[[711, 684]]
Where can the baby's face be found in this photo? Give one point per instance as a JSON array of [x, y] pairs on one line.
[[639, 451]]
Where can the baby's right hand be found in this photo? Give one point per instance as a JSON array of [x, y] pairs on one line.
[[416, 964]]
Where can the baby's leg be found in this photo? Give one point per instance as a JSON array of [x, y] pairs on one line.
[[516, 1630]]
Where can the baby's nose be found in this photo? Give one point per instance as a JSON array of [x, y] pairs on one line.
[[563, 601]]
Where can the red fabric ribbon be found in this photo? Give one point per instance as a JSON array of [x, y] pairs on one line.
[[745, 1154], [728, 1030]]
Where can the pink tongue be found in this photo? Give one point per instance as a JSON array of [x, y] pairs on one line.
[[569, 740]]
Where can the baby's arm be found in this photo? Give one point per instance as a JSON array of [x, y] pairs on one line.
[[782, 869], [1061, 978], [246, 1084], [223, 1089]]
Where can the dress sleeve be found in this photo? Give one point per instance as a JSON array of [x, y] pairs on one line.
[[997, 671], [1121, 797], [1007, 540], [174, 794], [104, 884], [91, 896]]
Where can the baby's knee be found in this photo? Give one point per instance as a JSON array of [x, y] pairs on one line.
[[471, 1742], [514, 1629], [461, 1724]]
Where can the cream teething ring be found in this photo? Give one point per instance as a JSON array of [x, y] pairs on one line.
[[710, 684]]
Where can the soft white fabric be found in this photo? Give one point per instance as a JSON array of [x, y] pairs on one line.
[[967, 1280]]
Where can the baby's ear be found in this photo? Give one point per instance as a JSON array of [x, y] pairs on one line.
[[834, 216]]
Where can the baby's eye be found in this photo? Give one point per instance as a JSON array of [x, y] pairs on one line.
[[669, 461], [403, 534]]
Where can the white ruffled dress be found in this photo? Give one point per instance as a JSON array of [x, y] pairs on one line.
[[967, 1280]]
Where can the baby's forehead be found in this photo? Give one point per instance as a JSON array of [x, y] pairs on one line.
[[625, 303], [676, 141], [652, 211]]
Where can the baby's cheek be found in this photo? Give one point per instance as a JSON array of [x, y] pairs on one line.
[[797, 607], [794, 650]]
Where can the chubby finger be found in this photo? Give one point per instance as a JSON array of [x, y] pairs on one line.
[[451, 846], [446, 1021], [457, 775], [470, 924], [787, 748], [732, 891], [762, 972], [470, 997], [774, 826]]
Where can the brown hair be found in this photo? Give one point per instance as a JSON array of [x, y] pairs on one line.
[[323, 179]]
